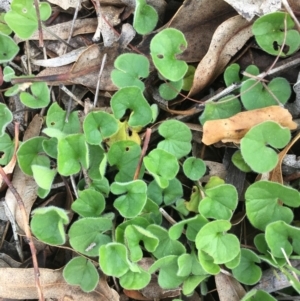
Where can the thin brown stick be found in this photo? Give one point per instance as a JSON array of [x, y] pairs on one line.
[[38, 14], [25, 222], [145, 147]]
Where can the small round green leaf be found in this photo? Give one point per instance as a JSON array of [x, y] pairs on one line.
[[8, 73], [239, 162], [125, 156], [4, 28], [22, 17], [6, 118], [90, 203], [133, 99], [145, 17], [87, 234], [43, 176], [135, 280], [282, 239], [7, 148], [39, 98], [164, 47], [263, 203], [213, 240], [167, 195], [56, 120], [224, 108], [269, 32], [47, 225], [162, 165], [258, 295], [98, 126], [207, 263], [177, 136], [170, 90], [168, 268], [72, 153], [133, 235], [133, 197], [113, 259], [166, 245], [8, 48], [80, 271], [219, 202], [255, 96], [247, 272], [253, 146], [194, 168], [30, 153], [131, 68]]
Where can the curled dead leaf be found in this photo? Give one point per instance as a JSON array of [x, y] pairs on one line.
[[227, 40], [234, 128]]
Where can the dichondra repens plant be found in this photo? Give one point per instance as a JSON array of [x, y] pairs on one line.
[[120, 198]]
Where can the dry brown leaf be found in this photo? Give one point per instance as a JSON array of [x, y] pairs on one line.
[[234, 128], [198, 19], [81, 26], [24, 184], [20, 284], [250, 8], [276, 173], [228, 288], [227, 40]]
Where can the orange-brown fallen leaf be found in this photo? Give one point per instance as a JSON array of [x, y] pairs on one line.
[[233, 129]]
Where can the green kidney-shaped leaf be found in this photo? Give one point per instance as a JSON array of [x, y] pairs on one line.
[[238, 160], [145, 17], [162, 165], [213, 240], [135, 280], [258, 295], [247, 272], [22, 17], [56, 120], [8, 48], [6, 118], [98, 126], [170, 90], [164, 47], [90, 203], [7, 148], [167, 195], [31, 153], [219, 202], [43, 176], [255, 96], [194, 168], [270, 33], [72, 153], [177, 138], [39, 97], [166, 245], [4, 28], [207, 263], [168, 268], [87, 234], [131, 67], [224, 108], [133, 99], [125, 156], [113, 259], [133, 197], [47, 224], [133, 235], [80, 271], [282, 239], [264, 203], [256, 154]]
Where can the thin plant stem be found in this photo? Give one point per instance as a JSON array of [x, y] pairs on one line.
[[143, 153]]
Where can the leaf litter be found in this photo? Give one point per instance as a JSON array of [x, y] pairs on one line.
[[215, 35]]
